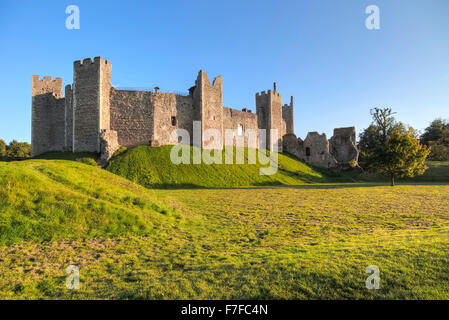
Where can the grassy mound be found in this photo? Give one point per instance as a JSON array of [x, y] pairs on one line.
[[42, 200], [152, 168]]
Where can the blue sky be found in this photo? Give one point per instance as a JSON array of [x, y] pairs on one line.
[[318, 51]]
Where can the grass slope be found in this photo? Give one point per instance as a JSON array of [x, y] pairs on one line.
[[310, 241], [44, 200], [152, 167]]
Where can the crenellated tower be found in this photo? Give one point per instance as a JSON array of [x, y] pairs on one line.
[[91, 103], [269, 113], [47, 112]]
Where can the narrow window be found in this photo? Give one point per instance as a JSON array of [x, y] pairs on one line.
[[240, 130], [173, 121], [307, 151]]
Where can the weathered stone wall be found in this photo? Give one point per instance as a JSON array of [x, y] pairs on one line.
[[269, 109], [293, 145], [343, 145], [48, 115], [316, 148], [171, 112], [68, 132], [287, 117], [105, 89], [94, 112], [340, 151], [132, 117], [91, 81], [109, 144], [232, 119], [210, 99]]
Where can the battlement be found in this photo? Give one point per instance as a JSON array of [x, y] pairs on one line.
[[268, 93], [88, 62], [46, 85], [46, 79]]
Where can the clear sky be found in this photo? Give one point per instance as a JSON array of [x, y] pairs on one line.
[[319, 51]]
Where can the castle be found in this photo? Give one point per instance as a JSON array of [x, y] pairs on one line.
[[93, 116]]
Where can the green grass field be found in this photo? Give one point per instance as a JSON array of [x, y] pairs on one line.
[[302, 241]]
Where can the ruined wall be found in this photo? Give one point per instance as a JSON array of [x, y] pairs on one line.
[[316, 149], [91, 81], [68, 123], [287, 117], [171, 112], [233, 118], [293, 145], [209, 98], [48, 115], [343, 145], [131, 114]]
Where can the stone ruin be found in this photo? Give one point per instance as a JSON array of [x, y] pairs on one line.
[[339, 152]]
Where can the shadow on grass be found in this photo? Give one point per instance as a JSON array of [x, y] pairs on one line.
[[315, 186]]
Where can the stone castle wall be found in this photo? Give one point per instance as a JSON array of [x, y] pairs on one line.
[[211, 108], [95, 117], [48, 115], [232, 119], [338, 152], [171, 112], [132, 116], [68, 115]]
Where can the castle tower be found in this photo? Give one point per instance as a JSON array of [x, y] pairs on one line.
[[269, 114], [287, 116], [91, 104], [208, 101], [47, 112]]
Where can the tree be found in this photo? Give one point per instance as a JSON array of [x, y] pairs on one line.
[[436, 135], [2, 148], [389, 148], [434, 131], [372, 140], [17, 149], [404, 155]]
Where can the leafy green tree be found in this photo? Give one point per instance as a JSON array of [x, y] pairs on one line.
[[404, 155], [372, 140], [2, 148], [17, 149], [434, 131], [389, 148], [436, 135]]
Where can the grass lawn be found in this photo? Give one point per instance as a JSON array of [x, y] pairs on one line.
[[310, 241], [153, 168]]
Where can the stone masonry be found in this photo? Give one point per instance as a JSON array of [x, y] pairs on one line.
[[93, 116]]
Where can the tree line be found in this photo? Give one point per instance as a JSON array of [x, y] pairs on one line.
[[14, 150]]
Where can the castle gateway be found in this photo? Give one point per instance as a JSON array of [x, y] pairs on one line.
[[93, 116]]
